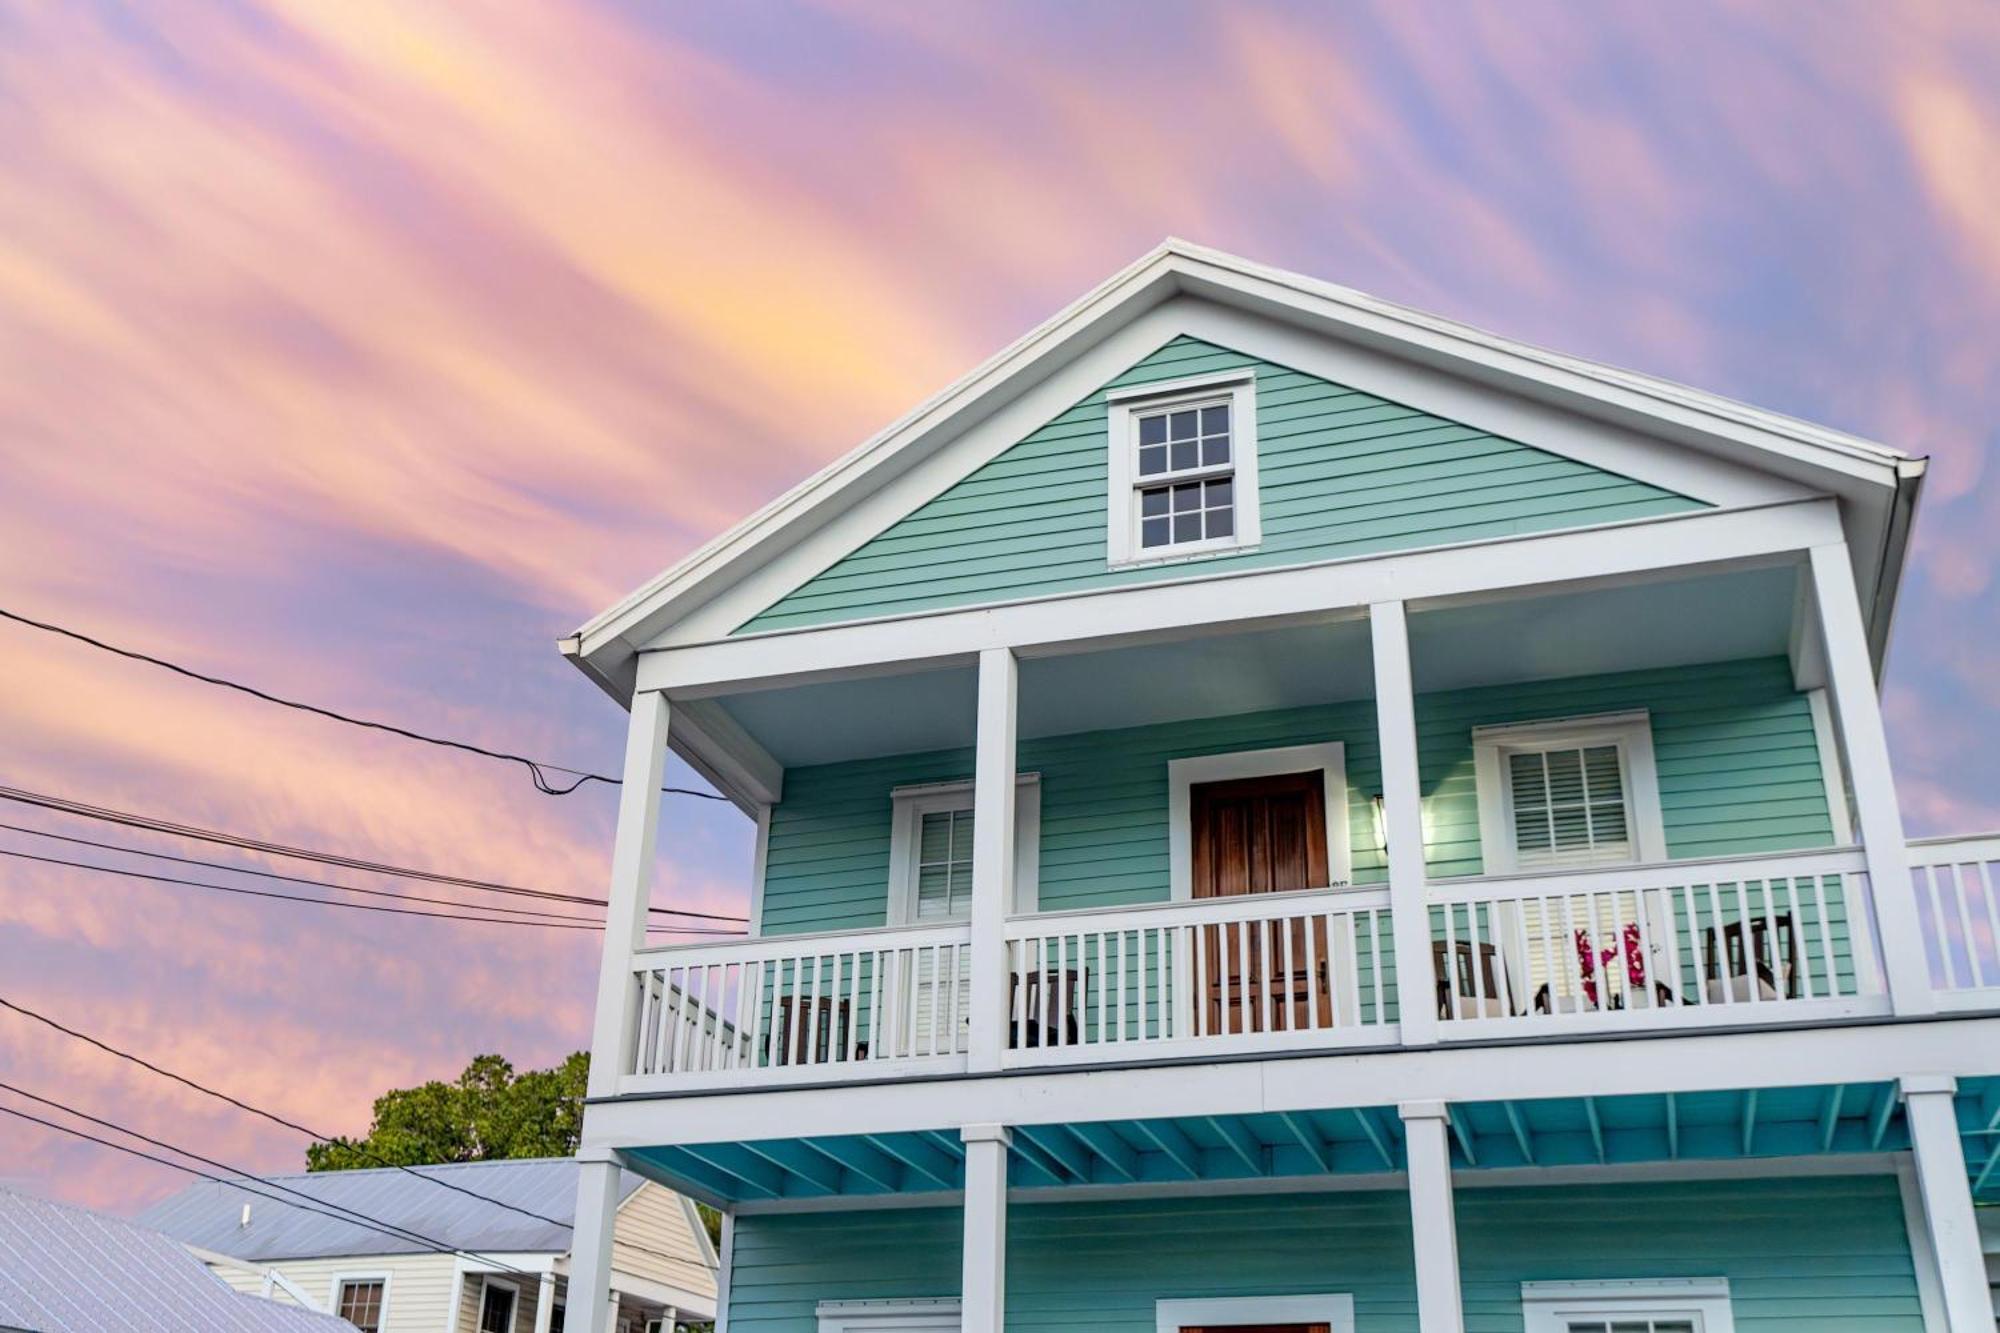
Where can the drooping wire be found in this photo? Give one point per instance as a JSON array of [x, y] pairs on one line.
[[538, 769]]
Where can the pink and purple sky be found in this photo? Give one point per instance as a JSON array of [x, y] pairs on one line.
[[361, 350]]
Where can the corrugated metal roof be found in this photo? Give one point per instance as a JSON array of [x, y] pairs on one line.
[[66, 1270], [210, 1215]]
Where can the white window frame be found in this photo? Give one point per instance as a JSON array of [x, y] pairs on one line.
[[341, 1280], [487, 1280], [1183, 775], [1549, 1307], [917, 1315], [1631, 732], [1239, 389], [1334, 1309], [909, 806]]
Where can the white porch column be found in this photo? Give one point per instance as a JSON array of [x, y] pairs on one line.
[[1852, 677], [631, 890], [983, 1285], [992, 856], [1403, 822], [592, 1308], [1947, 1198], [1433, 1223], [545, 1302]]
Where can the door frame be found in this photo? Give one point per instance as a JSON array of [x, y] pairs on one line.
[[1334, 1309], [1183, 775]]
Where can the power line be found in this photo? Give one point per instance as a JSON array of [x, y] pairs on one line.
[[330, 902], [293, 1125], [353, 1216], [538, 769], [242, 842], [527, 912]]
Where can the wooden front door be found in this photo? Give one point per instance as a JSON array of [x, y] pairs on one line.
[[1261, 835]]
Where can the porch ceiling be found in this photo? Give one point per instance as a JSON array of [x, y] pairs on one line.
[[1730, 1125], [1713, 617]]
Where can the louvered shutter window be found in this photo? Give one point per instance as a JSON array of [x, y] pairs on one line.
[[1569, 806]]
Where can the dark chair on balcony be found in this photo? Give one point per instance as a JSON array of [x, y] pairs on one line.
[[1464, 993], [819, 1037], [1028, 1018], [1765, 955]]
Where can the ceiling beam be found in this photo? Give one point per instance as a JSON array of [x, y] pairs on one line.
[[1239, 1140], [1058, 1147], [1596, 1127], [1462, 1131], [1673, 1127], [1749, 1120], [1175, 1145], [1879, 1126], [1308, 1138], [1374, 1133], [736, 1161], [864, 1159], [1829, 1117], [1521, 1134], [922, 1156], [800, 1161], [1110, 1148]]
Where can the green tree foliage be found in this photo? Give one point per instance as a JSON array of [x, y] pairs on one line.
[[488, 1112]]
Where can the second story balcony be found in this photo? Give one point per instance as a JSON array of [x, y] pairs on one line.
[[1620, 806]]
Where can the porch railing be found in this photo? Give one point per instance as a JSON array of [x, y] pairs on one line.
[[819, 1006], [1255, 972], [1741, 940], [1957, 884]]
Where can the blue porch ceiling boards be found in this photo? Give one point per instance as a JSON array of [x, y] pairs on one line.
[[1734, 1125]]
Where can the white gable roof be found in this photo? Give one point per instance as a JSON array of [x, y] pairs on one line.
[[1876, 485]]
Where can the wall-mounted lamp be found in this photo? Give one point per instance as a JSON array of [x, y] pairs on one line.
[[1381, 823]]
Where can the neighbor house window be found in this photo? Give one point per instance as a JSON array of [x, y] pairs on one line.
[[1667, 1305], [360, 1303], [496, 1307], [1183, 468], [1575, 792]]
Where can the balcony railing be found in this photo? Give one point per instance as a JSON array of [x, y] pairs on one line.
[[1261, 972], [1736, 942], [791, 1008], [1955, 880], [1693, 943]]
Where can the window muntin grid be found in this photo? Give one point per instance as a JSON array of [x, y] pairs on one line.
[[1569, 806], [1186, 475], [360, 1304], [944, 865]]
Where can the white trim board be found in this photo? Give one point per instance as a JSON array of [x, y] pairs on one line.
[[1334, 1309], [922, 1314], [1867, 474], [1329, 757], [1550, 1307]]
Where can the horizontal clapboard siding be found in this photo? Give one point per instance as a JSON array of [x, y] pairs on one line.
[[1342, 473], [1829, 1255], [1738, 765]]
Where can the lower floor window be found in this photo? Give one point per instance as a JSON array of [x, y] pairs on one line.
[[496, 1309], [1628, 1305], [360, 1303]]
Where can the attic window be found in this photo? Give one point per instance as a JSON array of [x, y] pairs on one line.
[[1183, 468]]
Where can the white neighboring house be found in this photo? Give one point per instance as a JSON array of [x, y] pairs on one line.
[[495, 1258], [69, 1270]]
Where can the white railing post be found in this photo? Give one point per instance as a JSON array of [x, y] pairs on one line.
[[992, 857], [983, 1281], [631, 891], [591, 1304], [1432, 1217], [1852, 676], [1402, 814], [1947, 1200]]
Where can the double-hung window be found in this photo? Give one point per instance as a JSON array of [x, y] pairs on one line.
[[1183, 468], [1575, 792], [360, 1302]]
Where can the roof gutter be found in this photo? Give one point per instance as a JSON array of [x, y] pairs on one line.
[[1895, 559]]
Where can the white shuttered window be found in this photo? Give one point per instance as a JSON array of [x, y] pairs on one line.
[[1571, 792]]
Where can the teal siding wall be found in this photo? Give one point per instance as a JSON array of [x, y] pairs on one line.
[[1738, 766], [1342, 473], [1829, 1255]]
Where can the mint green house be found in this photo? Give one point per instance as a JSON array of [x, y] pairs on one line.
[[1277, 811]]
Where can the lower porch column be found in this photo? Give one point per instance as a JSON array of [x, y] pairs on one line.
[[545, 1302], [983, 1283], [591, 1307], [1947, 1196], [1433, 1223]]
